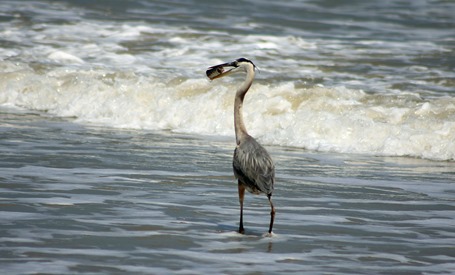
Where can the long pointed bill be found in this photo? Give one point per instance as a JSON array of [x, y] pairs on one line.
[[221, 70]]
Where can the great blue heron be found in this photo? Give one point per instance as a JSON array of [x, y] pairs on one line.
[[253, 166]]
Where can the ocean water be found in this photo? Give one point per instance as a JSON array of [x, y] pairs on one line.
[[115, 149]]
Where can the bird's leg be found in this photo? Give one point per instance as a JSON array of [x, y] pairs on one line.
[[241, 196], [272, 213]]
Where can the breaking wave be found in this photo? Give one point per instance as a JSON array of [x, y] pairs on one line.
[[334, 119]]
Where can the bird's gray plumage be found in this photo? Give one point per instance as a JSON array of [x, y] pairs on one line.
[[254, 167]]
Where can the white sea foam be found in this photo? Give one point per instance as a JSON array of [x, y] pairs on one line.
[[63, 57], [326, 119], [85, 200], [138, 75]]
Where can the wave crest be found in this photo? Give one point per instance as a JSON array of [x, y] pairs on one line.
[[318, 118]]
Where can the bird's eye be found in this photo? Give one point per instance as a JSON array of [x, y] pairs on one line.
[[236, 63]]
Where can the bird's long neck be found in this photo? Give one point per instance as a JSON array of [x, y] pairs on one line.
[[240, 130]]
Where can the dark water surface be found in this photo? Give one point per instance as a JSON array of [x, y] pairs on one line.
[[77, 199], [115, 149]]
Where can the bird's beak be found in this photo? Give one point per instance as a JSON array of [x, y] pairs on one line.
[[221, 70]]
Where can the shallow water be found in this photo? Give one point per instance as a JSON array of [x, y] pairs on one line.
[[78, 199], [115, 149]]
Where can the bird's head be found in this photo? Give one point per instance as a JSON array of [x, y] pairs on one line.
[[240, 64]]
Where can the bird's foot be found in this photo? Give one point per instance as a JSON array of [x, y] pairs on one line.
[[268, 235], [241, 230]]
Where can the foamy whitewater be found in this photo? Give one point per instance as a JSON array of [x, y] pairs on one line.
[[364, 95], [116, 150]]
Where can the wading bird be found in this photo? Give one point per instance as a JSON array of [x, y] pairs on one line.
[[253, 166]]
